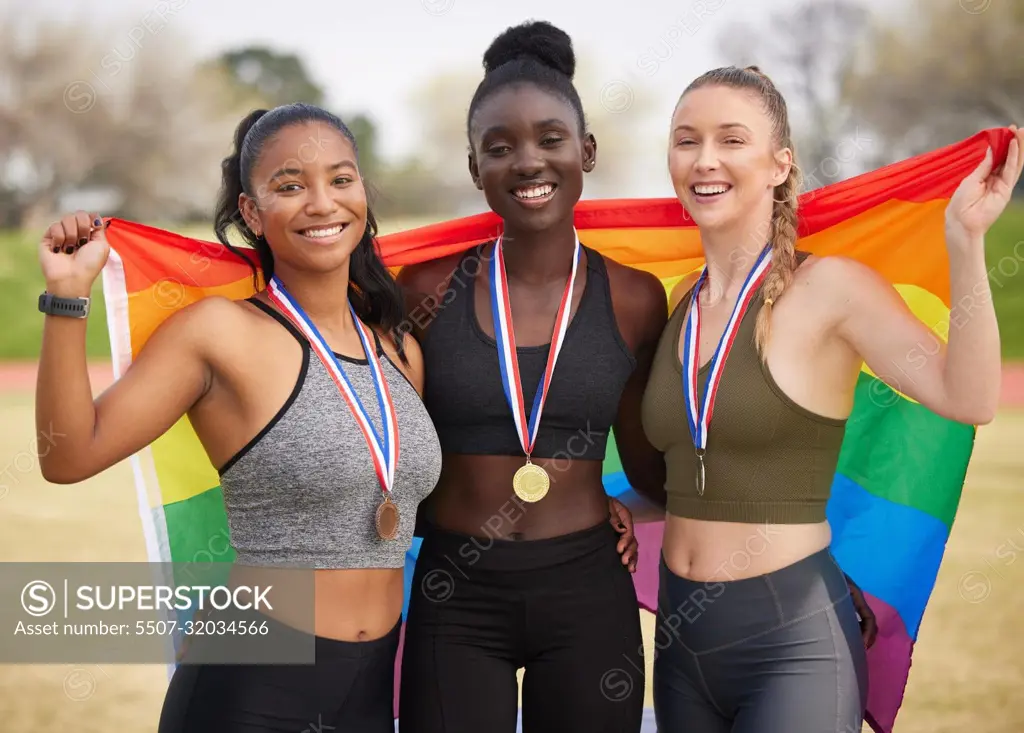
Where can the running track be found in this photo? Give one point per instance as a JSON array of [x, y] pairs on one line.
[[21, 377]]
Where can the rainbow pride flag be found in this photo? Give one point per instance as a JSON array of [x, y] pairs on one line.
[[901, 469]]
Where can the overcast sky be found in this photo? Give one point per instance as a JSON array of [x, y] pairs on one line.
[[370, 56]]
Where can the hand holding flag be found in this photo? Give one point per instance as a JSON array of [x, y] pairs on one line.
[[983, 195], [72, 253]]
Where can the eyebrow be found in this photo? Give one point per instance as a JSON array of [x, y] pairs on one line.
[[725, 126], [550, 122], [298, 172]]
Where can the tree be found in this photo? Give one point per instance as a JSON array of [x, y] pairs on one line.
[[136, 125], [365, 132], [941, 73], [277, 78], [808, 53], [260, 76], [440, 107]]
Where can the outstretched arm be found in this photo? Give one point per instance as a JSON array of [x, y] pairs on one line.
[[168, 377], [959, 379]]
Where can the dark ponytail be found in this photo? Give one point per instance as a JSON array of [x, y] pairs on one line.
[[376, 297], [228, 215]]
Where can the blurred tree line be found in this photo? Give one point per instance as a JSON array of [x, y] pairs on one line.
[[137, 129], [865, 89]]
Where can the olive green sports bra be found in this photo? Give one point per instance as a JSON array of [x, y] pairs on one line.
[[767, 459]]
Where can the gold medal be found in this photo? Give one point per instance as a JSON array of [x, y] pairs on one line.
[[531, 482]]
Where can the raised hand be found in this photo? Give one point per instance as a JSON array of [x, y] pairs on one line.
[[72, 253], [983, 195]]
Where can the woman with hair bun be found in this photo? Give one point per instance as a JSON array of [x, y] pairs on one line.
[[309, 410], [536, 347], [748, 397]]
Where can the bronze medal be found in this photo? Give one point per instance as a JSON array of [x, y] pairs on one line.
[[387, 519], [384, 449]]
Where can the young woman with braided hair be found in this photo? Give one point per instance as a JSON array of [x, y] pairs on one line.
[[757, 630]]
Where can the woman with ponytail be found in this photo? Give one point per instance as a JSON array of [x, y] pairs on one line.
[[748, 397], [536, 347], [308, 407]]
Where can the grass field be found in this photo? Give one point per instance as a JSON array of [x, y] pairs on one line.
[[967, 675], [21, 283]]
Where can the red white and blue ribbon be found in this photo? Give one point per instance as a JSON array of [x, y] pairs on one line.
[[383, 449], [699, 413], [504, 334]]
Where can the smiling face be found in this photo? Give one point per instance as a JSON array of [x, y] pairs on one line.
[[528, 156], [309, 202], [725, 159]]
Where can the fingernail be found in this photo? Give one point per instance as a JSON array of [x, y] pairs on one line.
[[69, 250], [82, 241], [97, 222], [56, 250]]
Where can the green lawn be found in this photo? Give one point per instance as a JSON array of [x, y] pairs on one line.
[[21, 283]]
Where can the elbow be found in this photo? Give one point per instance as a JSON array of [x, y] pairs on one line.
[[58, 472], [985, 415], [983, 410], [55, 476], [978, 413]]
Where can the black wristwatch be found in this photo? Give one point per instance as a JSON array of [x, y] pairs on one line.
[[54, 305]]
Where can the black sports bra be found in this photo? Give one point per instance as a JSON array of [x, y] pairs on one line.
[[463, 390]]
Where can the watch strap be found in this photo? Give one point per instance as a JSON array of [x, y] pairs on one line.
[[55, 305]]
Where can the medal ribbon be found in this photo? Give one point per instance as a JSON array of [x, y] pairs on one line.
[[699, 415], [384, 452], [507, 356]]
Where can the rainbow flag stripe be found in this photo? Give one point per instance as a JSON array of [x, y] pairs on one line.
[[901, 470]]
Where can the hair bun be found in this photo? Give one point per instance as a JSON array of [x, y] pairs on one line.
[[537, 39]]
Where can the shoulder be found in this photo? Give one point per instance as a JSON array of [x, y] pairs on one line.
[[836, 287], [839, 275], [640, 292], [208, 319], [639, 302], [431, 278], [413, 369], [213, 331]]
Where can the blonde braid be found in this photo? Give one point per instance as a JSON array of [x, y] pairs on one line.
[[783, 241]]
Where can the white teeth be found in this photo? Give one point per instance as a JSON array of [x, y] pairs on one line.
[[706, 189], [320, 233], [534, 191]]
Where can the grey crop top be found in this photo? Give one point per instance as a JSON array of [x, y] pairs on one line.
[[303, 492]]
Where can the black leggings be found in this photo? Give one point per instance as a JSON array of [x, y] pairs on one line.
[[777, 653], [564, 608], [349, 689]]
